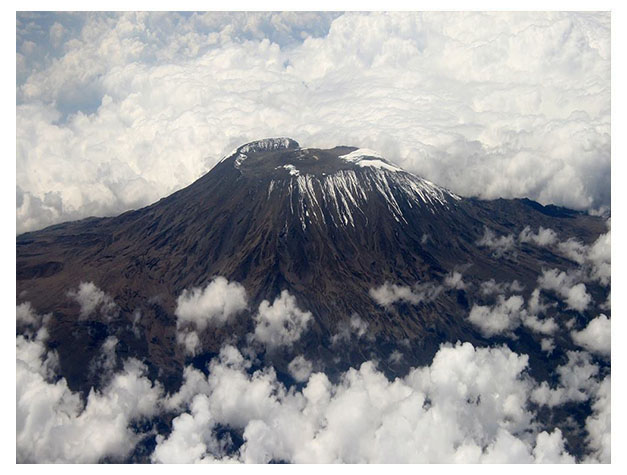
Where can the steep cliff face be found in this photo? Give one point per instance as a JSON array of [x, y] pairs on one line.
[[329, 226]]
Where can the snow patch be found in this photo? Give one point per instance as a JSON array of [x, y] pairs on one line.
[[291, 168], [367, 162], [364, 157], [360, 154]]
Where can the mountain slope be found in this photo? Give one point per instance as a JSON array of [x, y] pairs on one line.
[[326, 225]]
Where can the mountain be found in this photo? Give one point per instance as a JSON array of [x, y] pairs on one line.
[[384, 260]]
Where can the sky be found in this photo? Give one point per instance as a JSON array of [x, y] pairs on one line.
[[115, 111]]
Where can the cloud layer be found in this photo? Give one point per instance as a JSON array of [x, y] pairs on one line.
[[469, 405], [116, 111], [54, 425]]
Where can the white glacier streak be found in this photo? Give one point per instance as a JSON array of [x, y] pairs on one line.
[[291, 169], [344, 194]]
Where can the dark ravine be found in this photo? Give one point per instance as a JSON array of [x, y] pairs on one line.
[[326, 225]]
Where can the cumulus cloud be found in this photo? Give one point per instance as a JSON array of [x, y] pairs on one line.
[[469, 405], [28, 321], [490, 287], [599, 256], [507, 314], [356, 328], [91, 298], [599, 424], [281, 322], [115, 111], [547, 345], [577, 382], [189, 339], [300, 368], [455, 280], [388, 293], [395, 357], [190, 441], [573, 249], [535, 303], [216, 303], [501, 318], [594, 259], [53, 424], [565, 285], [472, 400], [596, 336], [547, 326], [544, 236], [501, 245]]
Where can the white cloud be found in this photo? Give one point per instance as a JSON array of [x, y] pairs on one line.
[[547, 326], [503, 317], [547, 345], [189, 340], [577, 382], [455, 280], [90, 298], [28, 321], [490, 287], [395, 357], [472, 400], [501, 245], [573, 249], [599, 256], [53, 425], [387, 294], [216, 303], [56, 33], [190, 441], [544, 236], [594, 259], [566, 286], [535, 304], [300, 368], [599, 424], [104, 365], [508, 313], [356, 328], [596, 337], [280, 323], [131, 107]]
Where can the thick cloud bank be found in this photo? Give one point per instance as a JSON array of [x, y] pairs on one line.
[[117, 110], [54, 425], [470, 405]]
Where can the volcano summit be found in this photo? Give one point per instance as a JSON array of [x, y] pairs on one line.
[[336, 257]]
